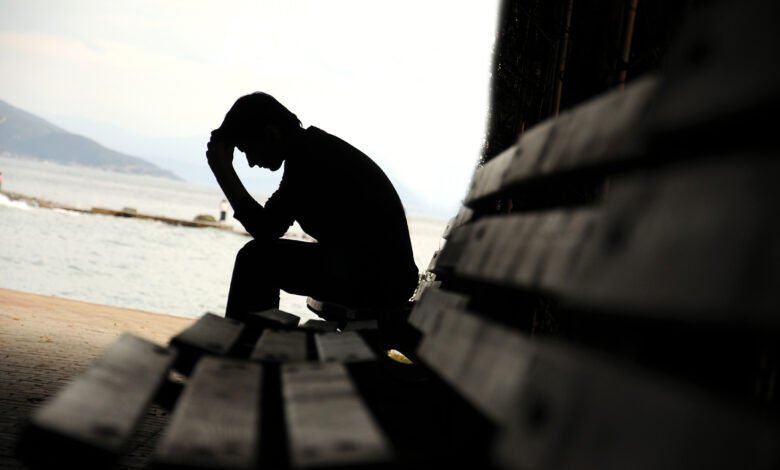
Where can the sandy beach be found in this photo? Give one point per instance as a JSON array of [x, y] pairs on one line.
[[45, 341]]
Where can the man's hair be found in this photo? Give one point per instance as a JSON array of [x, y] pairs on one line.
[[250, 113]]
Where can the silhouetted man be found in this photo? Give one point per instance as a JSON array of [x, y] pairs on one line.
[[338, 195]]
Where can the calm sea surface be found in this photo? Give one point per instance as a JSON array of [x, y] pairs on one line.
[[130, 263]]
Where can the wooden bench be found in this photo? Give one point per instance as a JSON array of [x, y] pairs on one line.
[[607, 298]]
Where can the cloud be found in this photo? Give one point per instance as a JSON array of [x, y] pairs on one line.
[[144, 90], [45, 46], [405, 81]]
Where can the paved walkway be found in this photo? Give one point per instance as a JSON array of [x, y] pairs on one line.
[[45, 341]]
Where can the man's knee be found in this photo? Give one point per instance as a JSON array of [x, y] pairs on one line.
[[254, 249]]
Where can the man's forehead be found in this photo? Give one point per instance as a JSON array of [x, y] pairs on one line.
[[246, 142], [242, 144]]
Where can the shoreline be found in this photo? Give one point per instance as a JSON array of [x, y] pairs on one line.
[[47, 204], [45, 341]]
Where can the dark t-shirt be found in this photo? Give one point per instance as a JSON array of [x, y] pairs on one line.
[[340, 197]]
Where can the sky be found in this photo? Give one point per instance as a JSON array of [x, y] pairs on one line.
[[405, 81]]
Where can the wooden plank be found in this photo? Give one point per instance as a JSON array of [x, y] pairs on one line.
[[480, 243], [281, 346], [272, 318], [722, 71], [92, 419], [603, 130], [434, 261], [346, 347], [563, 253], [529, 251], [579, 411], [426, 312], [697, 241], [444, 260], [216, 423], [328, 425], [531, 152], [488, 178], [463, 217], [320, 325], [482, 361], [506, 252], [211, 334], [521, 158]]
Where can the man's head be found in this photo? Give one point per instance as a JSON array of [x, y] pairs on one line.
[[261, 127]]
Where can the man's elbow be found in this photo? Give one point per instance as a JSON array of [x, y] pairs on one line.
[[264, 233]]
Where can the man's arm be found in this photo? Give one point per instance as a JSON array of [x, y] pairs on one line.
[[259, 222], [220, 158]]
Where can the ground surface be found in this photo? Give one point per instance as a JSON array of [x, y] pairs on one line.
[[45, 341]]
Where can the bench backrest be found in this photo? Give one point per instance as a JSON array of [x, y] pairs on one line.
[[607, 296]]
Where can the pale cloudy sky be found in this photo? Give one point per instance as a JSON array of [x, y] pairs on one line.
[[406, 81]]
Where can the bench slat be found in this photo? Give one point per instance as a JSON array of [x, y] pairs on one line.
[[93, 418], [488, 179], [521, 250], [462, 218], [426, 312], [483, 361], [444, 259], [343, 347], [697, 241], [210, 334], [216, 421], [576, 410], [723, 72], [602, 130], [281, 346], [271, 318], [328, 424]]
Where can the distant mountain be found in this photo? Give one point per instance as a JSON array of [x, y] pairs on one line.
[[27, 135]]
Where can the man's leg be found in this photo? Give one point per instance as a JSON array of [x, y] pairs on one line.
[[262, 268]]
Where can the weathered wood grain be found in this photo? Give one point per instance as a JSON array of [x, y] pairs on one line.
[[92, 419], [722, 75], [281, 346], [344, 348], [211, 334], [696, 241], [328, 424], [216, 422], [577, 410]]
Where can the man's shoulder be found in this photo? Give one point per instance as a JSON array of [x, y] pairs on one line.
[[341, 157], [314, 131], [335, 147], [319, 137]]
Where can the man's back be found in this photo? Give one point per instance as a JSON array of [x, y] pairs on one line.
[[346, 202]]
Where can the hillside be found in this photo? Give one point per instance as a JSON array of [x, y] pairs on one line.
[[24, 134]]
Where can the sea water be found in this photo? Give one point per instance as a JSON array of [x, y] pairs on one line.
[[128, 262]]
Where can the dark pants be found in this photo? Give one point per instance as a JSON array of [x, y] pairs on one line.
[[264, 267]]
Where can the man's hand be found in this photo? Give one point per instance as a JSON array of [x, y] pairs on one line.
[[219, 153], [220, 158]]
